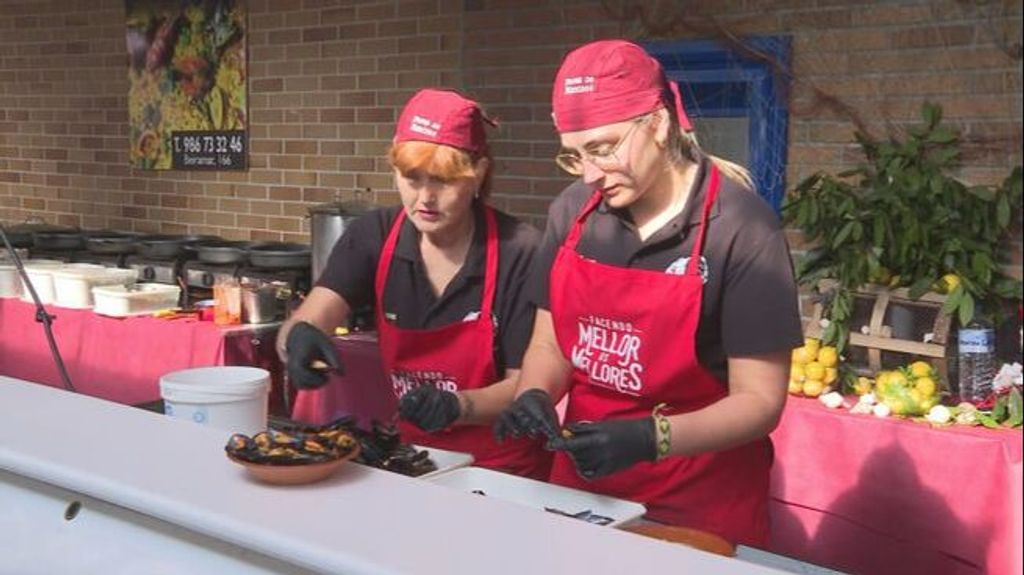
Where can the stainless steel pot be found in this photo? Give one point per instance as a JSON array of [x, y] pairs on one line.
[[327, 224], [264, 302]]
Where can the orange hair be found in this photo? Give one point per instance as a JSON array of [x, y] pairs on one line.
[[439, 161]]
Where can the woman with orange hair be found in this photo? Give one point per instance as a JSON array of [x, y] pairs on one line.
[[445, 273]]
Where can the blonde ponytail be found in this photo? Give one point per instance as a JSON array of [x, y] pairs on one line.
[[684, 147]]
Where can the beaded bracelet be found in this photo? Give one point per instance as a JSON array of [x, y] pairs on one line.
[[662, 432]]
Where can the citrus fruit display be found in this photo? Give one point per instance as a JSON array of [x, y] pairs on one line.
[[813, 369]]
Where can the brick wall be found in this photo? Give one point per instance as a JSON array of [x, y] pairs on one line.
[[326, 79]]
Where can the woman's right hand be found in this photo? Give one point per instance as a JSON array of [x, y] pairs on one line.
[[311, 355], [531, 414]]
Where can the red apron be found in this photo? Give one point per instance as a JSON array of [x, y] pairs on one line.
[[632, 344], [455, 357]]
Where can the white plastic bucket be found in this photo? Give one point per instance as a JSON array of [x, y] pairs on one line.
[[232, 398]]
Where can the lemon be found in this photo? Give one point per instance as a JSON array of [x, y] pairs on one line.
[[915, 396], [898, 405], [947, 283], [863, 386], [897, 380], [795, 387], [813, 387], [797, 373], [831, 374], [828, 356], [882, 381], [812, 345], [802, 355], [920, 369], [926, 386], [881, 276], [814, 370]]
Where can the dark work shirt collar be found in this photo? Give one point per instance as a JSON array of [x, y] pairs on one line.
[[408, 246]]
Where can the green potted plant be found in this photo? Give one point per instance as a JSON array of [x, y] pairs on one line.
[[902, 219]]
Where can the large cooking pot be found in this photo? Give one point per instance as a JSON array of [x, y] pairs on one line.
[[327, 222]]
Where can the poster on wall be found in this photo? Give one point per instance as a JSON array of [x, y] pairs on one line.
[[187, 104]]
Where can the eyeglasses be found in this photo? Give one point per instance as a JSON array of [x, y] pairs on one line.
[[603, 157]]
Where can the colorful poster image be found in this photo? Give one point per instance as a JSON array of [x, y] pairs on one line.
[[187, 94]]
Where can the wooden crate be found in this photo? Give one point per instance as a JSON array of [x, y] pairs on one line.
[[879, 348]]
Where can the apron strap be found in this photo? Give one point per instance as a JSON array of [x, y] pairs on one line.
[[576, 232], [693, 266], [490, 265]]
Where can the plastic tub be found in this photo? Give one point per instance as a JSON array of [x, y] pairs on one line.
[[121, 301], [232, 398], [10, 282], [40, 273], [72, 286], [589, 507]]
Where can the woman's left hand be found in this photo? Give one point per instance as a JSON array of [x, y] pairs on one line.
[[603, 448], [430, 408]]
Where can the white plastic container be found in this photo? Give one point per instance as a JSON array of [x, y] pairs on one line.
[[40, 273], [72, 286], [10, 281], [122, 301], [541, 495], [232, 398]]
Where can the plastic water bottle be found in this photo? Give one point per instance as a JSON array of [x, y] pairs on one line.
[[976, 355]]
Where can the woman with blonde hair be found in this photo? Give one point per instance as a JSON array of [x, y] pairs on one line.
[[445, 273], [667, 307]]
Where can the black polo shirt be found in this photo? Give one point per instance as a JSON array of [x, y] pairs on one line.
[[409, 299], [750, 303]]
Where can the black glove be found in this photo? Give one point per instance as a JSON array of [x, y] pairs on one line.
[[430, 408], [600, 449], [532, 414], [306, 344]]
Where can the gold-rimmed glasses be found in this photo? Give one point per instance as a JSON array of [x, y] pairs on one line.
[[602, 156]]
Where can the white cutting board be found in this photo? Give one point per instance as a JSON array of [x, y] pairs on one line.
[[444, 460], [538, 494]]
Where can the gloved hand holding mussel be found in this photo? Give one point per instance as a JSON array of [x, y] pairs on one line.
[[275, 447]]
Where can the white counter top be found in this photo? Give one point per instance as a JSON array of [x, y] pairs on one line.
[[362, 520]]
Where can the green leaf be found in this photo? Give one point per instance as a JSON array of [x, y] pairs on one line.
[[966, 308], [982, 192], [1003, 212], [999, 409], [931, 113], [942, 135], [1016, 409], [844, 232], [987, 420], [921, 287]]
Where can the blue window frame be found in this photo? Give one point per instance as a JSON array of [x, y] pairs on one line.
[[718, 83]]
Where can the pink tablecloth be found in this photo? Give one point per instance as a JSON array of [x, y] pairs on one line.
[[866, 495], [120, 359], [362, 392]]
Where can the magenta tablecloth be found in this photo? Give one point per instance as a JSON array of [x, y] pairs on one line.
[[868, 495], [118, 359]]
